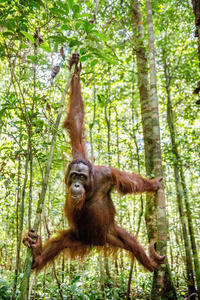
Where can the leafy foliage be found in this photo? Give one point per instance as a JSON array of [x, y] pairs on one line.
[[36, 37]]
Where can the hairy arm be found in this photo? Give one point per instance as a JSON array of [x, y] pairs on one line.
[[75, 114], [131, 183]]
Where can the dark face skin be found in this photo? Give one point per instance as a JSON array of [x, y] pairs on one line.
[[78, 180]]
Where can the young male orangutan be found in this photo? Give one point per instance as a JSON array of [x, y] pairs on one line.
[[89, 208]]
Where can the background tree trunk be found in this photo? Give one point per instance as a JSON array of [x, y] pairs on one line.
[[18, 232], [155, 206]]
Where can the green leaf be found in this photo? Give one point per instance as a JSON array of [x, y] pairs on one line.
[[101, 36], [83, 51], [78, 25], [2, 23], [94, 62], [45, 47], [63, 6], [71, 3], [28, 36], [35, 4], [63, 19], [101, 100], [110, 60], [65, 27], [84, 58], [58, 11], [32, 57], [21, 118], [7, 33], [2, 111], [91, 125], [23, 46], [74, 42], [76, 278], [59, 39], [88, 27], [76, 9], [40, 2]]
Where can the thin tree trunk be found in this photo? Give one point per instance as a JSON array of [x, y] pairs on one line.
[[17, 231], [163, 286], [22, 201], [31, 180], [63, 268], [159, 286], [58, 282], [177, 161], [32, 284], [30, 128], [129, 280]]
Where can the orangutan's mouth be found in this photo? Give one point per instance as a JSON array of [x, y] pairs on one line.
[[77, 199]]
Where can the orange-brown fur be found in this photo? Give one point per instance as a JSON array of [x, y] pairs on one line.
[[74, 121], [92, 219]]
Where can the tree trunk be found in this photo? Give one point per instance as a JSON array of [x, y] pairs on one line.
[[31, 180], [155, 207], [17, 233]]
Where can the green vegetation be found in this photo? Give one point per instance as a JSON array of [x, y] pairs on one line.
[[119, 78]]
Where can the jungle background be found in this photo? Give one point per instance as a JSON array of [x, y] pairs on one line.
[[117, 45]]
